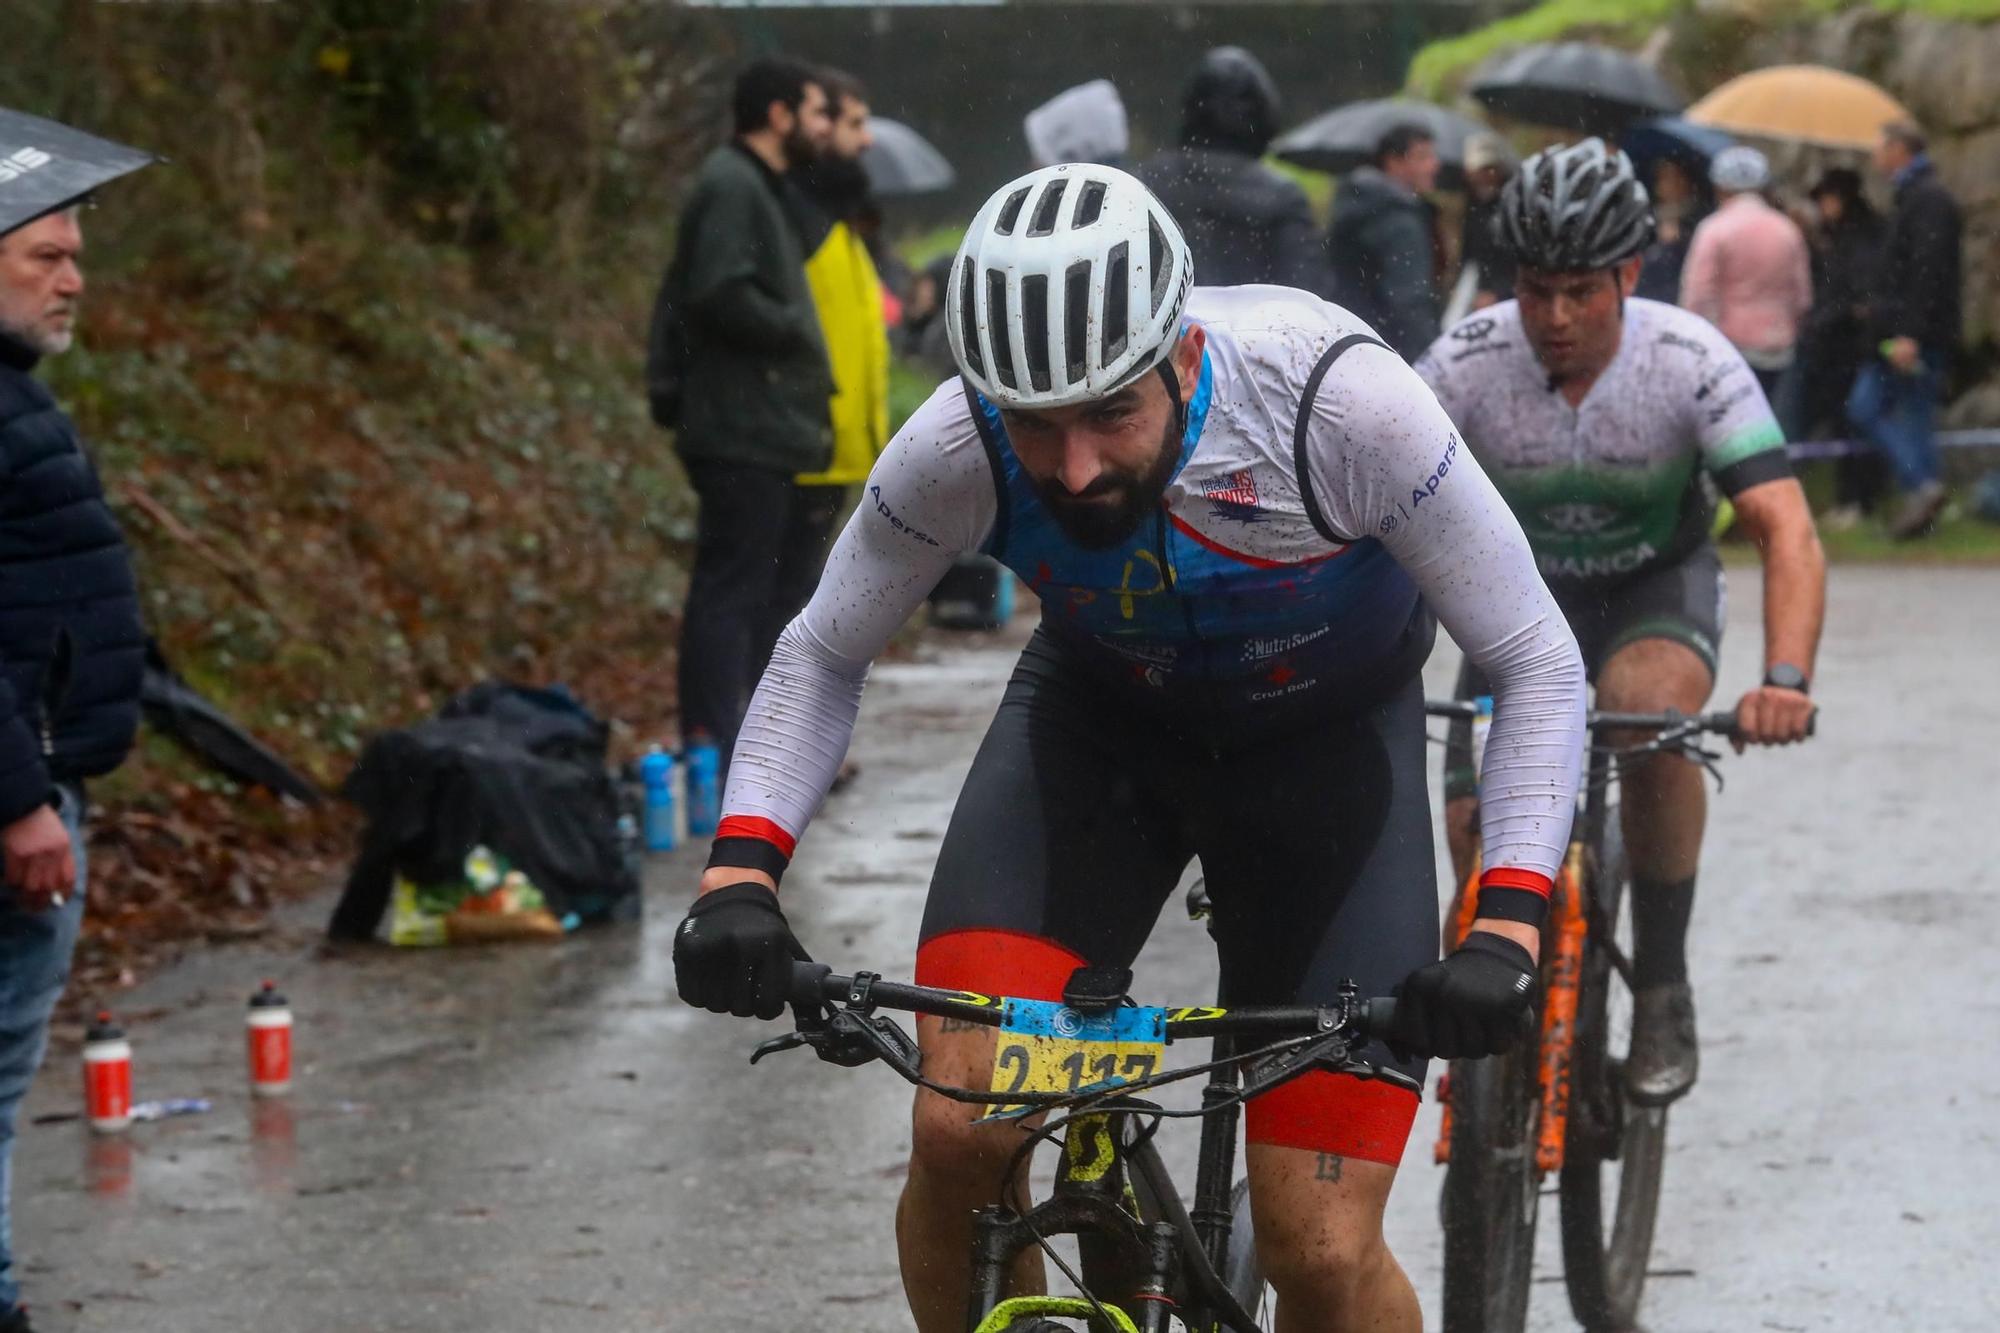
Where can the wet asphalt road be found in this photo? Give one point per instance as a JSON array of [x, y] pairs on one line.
[[539, 1138]]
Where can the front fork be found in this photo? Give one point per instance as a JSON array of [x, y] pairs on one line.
[[1131, 1266], [1562, 973]]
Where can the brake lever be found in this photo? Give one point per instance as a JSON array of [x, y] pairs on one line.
[[850, 1040], [1286, 1065], [789, 1042]]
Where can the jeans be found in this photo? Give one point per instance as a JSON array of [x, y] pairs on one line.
[[1897, 412], [34, 963]]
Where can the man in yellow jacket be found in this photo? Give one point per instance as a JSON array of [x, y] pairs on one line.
[[847, 292]]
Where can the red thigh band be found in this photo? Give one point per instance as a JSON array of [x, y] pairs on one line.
[[1363, 1118], [996, 962]]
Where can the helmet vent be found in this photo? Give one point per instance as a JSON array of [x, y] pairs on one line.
[[1010, 211], [1076, 321], [1035, 328], [1157, 253], [996, 320], [1117, 310], [968, 326], [1044, 223], [1089, 204]]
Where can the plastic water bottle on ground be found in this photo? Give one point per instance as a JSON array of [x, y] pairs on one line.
[[704, 781], [270, 1041], [107, 1076], [656, 771]]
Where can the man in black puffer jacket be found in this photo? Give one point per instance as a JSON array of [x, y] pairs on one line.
[[1243, 221], [71, 654]]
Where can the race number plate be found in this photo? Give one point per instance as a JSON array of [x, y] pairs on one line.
[[1048, 1047]]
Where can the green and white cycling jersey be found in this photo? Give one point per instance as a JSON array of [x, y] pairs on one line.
[[1613, 487]]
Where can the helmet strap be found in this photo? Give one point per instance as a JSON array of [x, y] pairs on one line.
[[1173, 383]]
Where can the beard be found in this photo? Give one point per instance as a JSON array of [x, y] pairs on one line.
[[1111, 508], [800, 151], [840, 184], [43, 337]]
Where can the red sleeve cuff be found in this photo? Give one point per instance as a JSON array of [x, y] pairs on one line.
[[1513, 877], [763, 830]]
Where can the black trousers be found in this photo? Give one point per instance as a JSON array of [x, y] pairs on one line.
[[752, 573]]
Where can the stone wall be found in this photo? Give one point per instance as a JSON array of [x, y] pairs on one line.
[[1948, 74]]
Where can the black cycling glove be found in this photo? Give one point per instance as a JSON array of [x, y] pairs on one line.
[[1479, 1001], [733, 954]]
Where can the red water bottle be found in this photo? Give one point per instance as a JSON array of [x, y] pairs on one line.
[[107, 1076], [270, 1039]]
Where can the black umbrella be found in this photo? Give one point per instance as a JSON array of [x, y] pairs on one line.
[[45, 166], [1575, 86], [1692, 146], [179, 711], [1345, 137], [901, 161]]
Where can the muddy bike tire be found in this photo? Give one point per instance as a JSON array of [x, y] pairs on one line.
[[1492, 1192], [1614, 1148], [1241, 1272]]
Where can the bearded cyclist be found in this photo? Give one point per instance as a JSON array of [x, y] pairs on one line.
[[1240, 511], [1603, 419]]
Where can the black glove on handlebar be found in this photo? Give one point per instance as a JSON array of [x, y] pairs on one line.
[[1479, 1001], [733, 954]]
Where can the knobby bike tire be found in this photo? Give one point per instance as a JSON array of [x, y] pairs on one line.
[[1491, 1192], [1241, 1272], [1613, 1145]]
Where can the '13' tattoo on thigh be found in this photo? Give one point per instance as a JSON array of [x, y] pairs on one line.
[[958, 1025], [1329, 1167]]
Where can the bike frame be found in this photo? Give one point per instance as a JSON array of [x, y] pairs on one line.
[[1137, 1240]]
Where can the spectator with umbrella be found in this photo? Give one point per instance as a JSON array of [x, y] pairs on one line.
[[1846, 240], [1243, 221], [1748, 272], [72, 648], [1672, 156], [1380, 241]]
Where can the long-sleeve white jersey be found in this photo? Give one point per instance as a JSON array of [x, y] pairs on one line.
[[1322, 509]]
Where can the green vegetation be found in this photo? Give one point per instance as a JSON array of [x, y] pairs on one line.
[[1438, 67], [360, 361]]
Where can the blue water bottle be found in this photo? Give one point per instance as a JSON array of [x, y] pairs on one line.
[[656, 771], [704, 784]]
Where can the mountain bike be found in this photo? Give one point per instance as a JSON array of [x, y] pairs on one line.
[[1149, 1263], [1557, 1105]]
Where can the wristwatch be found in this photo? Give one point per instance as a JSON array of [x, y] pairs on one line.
[[1785, 676]]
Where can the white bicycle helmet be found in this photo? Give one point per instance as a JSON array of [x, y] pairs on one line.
[[1069, 285]]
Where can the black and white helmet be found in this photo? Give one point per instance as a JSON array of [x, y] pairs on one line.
[[1576, 209], [1070, 285]]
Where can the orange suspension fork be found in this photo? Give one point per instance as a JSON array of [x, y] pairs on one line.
[[1465, 910], [1562, 970]]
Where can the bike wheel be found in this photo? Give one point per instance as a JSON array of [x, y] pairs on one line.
[[1241, 1272], [1491, 1192], [1615, 1151]]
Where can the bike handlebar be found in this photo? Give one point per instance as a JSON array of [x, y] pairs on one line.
[[816, 984], [1719, 724]]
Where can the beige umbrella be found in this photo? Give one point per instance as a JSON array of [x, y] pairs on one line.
[[1808, 104]]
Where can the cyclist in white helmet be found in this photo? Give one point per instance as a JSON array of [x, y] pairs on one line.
[[1241, 513]]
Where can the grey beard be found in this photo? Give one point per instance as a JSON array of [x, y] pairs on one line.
[[41, 341]]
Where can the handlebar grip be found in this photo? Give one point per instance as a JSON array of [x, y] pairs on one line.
[[809, 983], [1376, 1018]]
